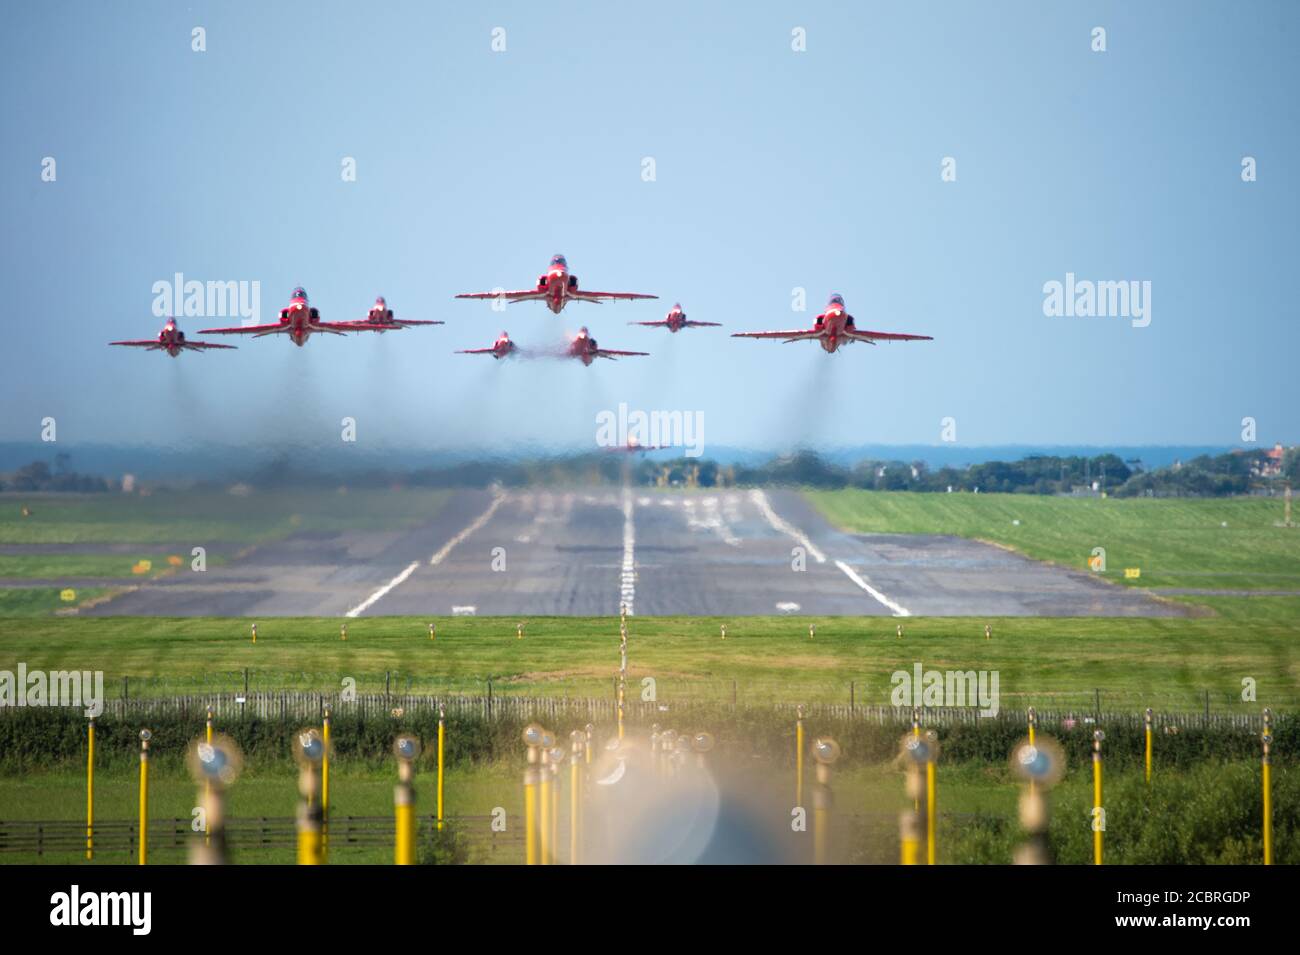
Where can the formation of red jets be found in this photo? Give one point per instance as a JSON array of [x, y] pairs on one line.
[[557, 286]]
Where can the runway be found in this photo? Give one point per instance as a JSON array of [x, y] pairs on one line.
[[659, 552]]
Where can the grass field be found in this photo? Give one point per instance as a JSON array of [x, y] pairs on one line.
[[124, 567], [1201, 543], [1162, 662], [204, 517], [68, 533], [21, 602]]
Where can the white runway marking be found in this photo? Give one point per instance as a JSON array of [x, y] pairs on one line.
[[467, 611], [436, 559], [898, 609], [627, 587], [787, 606], [378, 594], [760, 500], [478, 522]]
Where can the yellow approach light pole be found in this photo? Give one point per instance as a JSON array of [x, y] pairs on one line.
[[1098, 813], [90, 790], [325, 786], [442, 739], [825, 751], [1033, 730], [532, 779], [1041, 764], [406, 748], [144, 796], [214, 763], [533, 736], [931, 814], [309, 751], [1267, 739], [622, 677], [544, 802], [207, 786], [577, 743], [1149, 715]]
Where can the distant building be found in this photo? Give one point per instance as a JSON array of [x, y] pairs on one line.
[[128, 483]]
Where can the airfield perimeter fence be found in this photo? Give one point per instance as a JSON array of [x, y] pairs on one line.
[[483, 728], [856, 695], [296, 705]]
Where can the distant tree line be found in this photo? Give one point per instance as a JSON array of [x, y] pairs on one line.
[[1237, 472], [39, 476]]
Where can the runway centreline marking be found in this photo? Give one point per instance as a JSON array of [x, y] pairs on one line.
[[627, 586], [898, 609], [378, 594], [433, 561], [785, 527]]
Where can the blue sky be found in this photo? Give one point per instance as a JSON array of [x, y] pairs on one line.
[[774, 170]]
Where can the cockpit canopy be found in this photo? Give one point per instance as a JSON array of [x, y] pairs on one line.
[[836, 299], [559, 261], [299, 292]]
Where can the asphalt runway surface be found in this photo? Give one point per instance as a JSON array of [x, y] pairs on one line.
[[659, 552]]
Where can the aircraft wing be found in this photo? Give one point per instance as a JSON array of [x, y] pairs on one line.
[[866, 336], [611, 355], [523, 295], [142, 343], [584, 295], [690, 324], [341, 327], [246, 330], [204, 346], [476, 351], [800, 334], [658, 324], [403, 322]]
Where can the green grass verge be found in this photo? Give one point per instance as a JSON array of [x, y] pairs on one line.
[[27, 602], [203, 516], [109, 566], [1204, 543], [1135, 662]]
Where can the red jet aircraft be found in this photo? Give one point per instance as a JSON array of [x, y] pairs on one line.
[[503, 347], [380, 314], [833, 328], [634, 446], [584, 348], [556, 287], [299, 321], [171, 340], [675, 321]]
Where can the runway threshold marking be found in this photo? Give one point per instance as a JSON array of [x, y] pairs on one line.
[[898, 609], [783, 526], [437, 558]]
